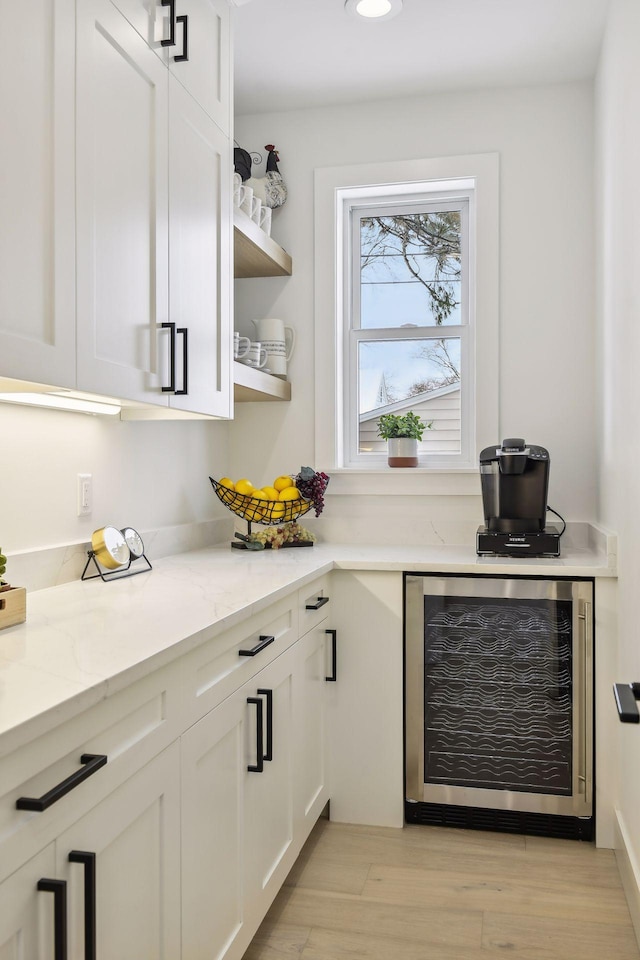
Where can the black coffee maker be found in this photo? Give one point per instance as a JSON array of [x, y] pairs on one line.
[[515, 484]]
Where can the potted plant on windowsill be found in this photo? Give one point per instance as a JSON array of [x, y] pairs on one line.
[[402, 433], [13, 600]]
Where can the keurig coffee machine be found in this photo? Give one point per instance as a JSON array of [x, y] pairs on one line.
[[515, 483]]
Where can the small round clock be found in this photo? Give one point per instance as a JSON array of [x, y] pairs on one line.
[[110, 547], [134, 542]]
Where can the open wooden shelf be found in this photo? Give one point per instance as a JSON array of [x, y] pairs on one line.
[[254, 385], [256, 254]]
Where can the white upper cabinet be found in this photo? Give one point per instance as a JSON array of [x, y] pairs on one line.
[[122, 212], [37, 220], [154, 227], [193, 39], [199, 256], [202, 35]]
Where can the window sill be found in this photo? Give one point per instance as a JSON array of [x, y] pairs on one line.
[[401, 481]]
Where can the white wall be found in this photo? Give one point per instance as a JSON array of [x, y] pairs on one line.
[[544, 137], [618, 204], [146, 474]]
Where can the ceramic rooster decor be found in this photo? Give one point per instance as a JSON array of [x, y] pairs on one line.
[[271, 188]]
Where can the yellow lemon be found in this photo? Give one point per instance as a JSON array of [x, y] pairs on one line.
[[281, 483], [227, 482], [244, 486], [290, 493], [275, 510], [271, 493]]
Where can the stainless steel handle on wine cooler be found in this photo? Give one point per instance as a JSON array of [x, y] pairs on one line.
[[585, 618]]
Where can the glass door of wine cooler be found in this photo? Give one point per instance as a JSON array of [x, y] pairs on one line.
[[499, 693]]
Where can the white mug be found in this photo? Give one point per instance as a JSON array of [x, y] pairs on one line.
[[256, 355], [239, 348], [256, 211], [278, 340], [237, 187], [265, 220], [246, 199]]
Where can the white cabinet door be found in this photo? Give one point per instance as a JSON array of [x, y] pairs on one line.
[[366, 767], [237, 823], [214, 767], [27, 915], [199, 256], [202, 33], [122, 204], [37, 215], [314, 663], [201, 43], [135, 836], [268, 800]]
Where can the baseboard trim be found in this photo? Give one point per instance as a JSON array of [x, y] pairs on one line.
[[629, 871]]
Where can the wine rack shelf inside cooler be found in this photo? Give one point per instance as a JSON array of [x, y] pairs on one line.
[[498, 694]]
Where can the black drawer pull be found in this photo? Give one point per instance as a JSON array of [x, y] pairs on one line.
[[88, 859], [320, 602], [184, 332], [91, 762], [334, 657], [626, 695], [258, 766], [59, 890], [263, 642]]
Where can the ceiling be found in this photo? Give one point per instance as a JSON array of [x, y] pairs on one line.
[[292, 54]]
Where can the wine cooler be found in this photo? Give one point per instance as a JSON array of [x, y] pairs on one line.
[[499, 704]]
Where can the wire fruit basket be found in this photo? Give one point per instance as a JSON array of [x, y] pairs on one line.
[[254, 510]]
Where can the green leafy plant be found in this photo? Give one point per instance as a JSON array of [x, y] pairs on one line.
[[3, 569], [391, 425]]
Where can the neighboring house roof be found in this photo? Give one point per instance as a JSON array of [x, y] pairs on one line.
[[403, 406]]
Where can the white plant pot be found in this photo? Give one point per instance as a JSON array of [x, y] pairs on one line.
[[402, 452]]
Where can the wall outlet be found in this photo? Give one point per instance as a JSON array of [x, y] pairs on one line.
[[85, 494]]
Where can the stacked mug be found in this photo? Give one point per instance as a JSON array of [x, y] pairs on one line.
[[245, 199], [278, 341]]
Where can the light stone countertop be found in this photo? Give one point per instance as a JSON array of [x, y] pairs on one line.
[[85, 640]]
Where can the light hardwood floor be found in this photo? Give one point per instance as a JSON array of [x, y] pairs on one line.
[[430, 893]]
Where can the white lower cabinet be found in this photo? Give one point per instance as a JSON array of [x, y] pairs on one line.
[[175, 848], [213, 774], [316, 655], [253, 785], [114, 878]]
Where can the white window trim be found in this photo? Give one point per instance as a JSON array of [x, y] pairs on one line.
[[332, 186]]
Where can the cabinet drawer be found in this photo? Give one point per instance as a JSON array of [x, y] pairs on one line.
[[314, 603], [220, 666], [129, 727]]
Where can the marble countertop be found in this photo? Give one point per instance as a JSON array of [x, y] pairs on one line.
[[86, 639]]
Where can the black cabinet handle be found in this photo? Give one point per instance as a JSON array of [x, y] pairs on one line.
[[334, 655], [91, 762], [184, 20], [171, 327], [626, 695], [59, 890], [183, 331], [268, 753], [320, 602], [171, 41], [258, 767], [88, 859], [185, 361], [264, 642]]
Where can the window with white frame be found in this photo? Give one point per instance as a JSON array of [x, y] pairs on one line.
[[408, 321], [406, 316]]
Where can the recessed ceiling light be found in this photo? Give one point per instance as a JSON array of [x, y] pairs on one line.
[[374, 9]]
